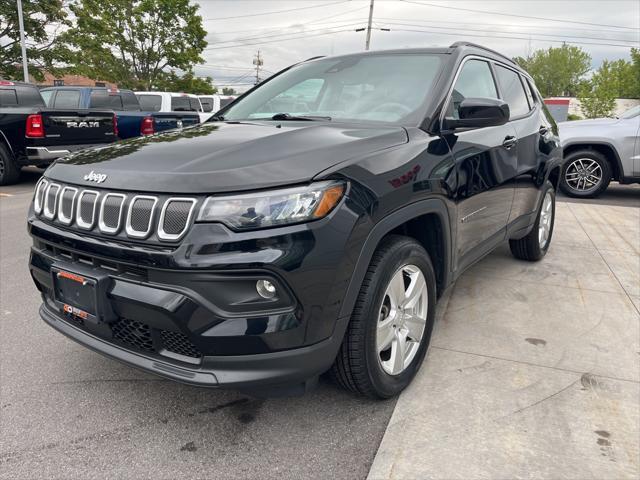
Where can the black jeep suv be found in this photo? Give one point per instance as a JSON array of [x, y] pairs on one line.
[[309, 227]]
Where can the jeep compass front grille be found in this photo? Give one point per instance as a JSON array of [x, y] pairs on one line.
[[163, 218]]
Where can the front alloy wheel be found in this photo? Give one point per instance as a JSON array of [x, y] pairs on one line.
[[402, 319], [390, 328]]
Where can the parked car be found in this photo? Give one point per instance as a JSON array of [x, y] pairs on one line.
[[173, 102], [261, 250], [213, 103], [31, 134], [598, 151], [133, 121]]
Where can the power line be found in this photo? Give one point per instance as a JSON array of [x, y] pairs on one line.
[[457, 33], [557, 35], [280, 39], [564, 28], [278, 35], [273, 12], [515, 15]]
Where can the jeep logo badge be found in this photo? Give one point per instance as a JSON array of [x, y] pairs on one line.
[[95, 177]]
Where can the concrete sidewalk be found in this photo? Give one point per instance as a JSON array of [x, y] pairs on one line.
[[534, 369]]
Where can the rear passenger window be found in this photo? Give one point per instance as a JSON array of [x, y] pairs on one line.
[[29, 97], [195, 104], [67, 99], [150, 103], [46, 96], [8, 98], [475, 80], [207, 104], [512, 91], [180, 104]]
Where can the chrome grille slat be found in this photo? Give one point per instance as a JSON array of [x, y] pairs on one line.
[[66, 204], [111, 208], [38, 201], [175, 218], [86, 209], [51, 197], [140, 216]]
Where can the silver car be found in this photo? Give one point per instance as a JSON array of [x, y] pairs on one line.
[[598, 151]]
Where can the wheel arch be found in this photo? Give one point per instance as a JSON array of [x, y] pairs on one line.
[[427, 221], [604, 148]]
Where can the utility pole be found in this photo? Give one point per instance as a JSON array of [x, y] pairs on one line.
[[366, 46], [257, 61], [25, 69]]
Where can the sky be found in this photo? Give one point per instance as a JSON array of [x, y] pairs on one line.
[[288, 31]]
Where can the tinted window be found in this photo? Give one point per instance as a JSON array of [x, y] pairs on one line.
[[130, 101], [150, 103], [207, 104], [475, 80], [180, 104], [67, 99], [101, 99], [29, 97], [195, 104], [46, 96], [8, 97], [512, 91]]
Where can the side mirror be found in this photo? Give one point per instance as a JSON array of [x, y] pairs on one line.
[[478, 113]]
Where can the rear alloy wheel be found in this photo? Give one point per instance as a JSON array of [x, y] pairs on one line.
[[390, 328], [585, 174], [535, 244]]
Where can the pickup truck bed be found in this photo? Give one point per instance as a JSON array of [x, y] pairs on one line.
[[31, 134]]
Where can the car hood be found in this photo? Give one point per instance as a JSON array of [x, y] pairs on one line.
[[219, 157]]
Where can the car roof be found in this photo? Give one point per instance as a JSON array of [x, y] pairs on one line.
[[462, 48]]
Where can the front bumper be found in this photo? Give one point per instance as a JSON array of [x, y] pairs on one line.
[[289, 367]]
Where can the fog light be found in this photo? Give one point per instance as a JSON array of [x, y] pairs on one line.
[[266, 289]]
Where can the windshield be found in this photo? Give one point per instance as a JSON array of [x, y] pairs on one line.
[[632, 112], [377, 88]]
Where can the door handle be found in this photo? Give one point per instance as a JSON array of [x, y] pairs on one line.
[[509, 141], [543, 130]]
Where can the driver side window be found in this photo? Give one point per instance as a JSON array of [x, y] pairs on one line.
[[475, 80]]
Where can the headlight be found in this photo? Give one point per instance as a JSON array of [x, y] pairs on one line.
[[272, 208]]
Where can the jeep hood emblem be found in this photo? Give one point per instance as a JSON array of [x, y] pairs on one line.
[[95, 177]]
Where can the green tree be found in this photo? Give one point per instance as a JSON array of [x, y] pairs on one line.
[[43, 20], [557, 70], [598, 95], [228, 91], [187, 83], [133, 42], [635, 71]]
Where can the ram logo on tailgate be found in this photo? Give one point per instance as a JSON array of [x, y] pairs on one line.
[[91, 124]]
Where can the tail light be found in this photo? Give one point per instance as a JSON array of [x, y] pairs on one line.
[[148, 126], [115, 125], [34, 128]]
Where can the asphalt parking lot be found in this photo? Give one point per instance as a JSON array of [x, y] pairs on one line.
[[535, 372]]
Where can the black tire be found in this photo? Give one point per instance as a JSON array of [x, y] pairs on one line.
[[528, 247], [357, 366], [594, 191], [9, 171]]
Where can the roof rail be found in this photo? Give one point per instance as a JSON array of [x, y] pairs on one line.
[[314, 58], [471, 44]]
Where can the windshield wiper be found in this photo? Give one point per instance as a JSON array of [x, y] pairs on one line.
[[309, 118]]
